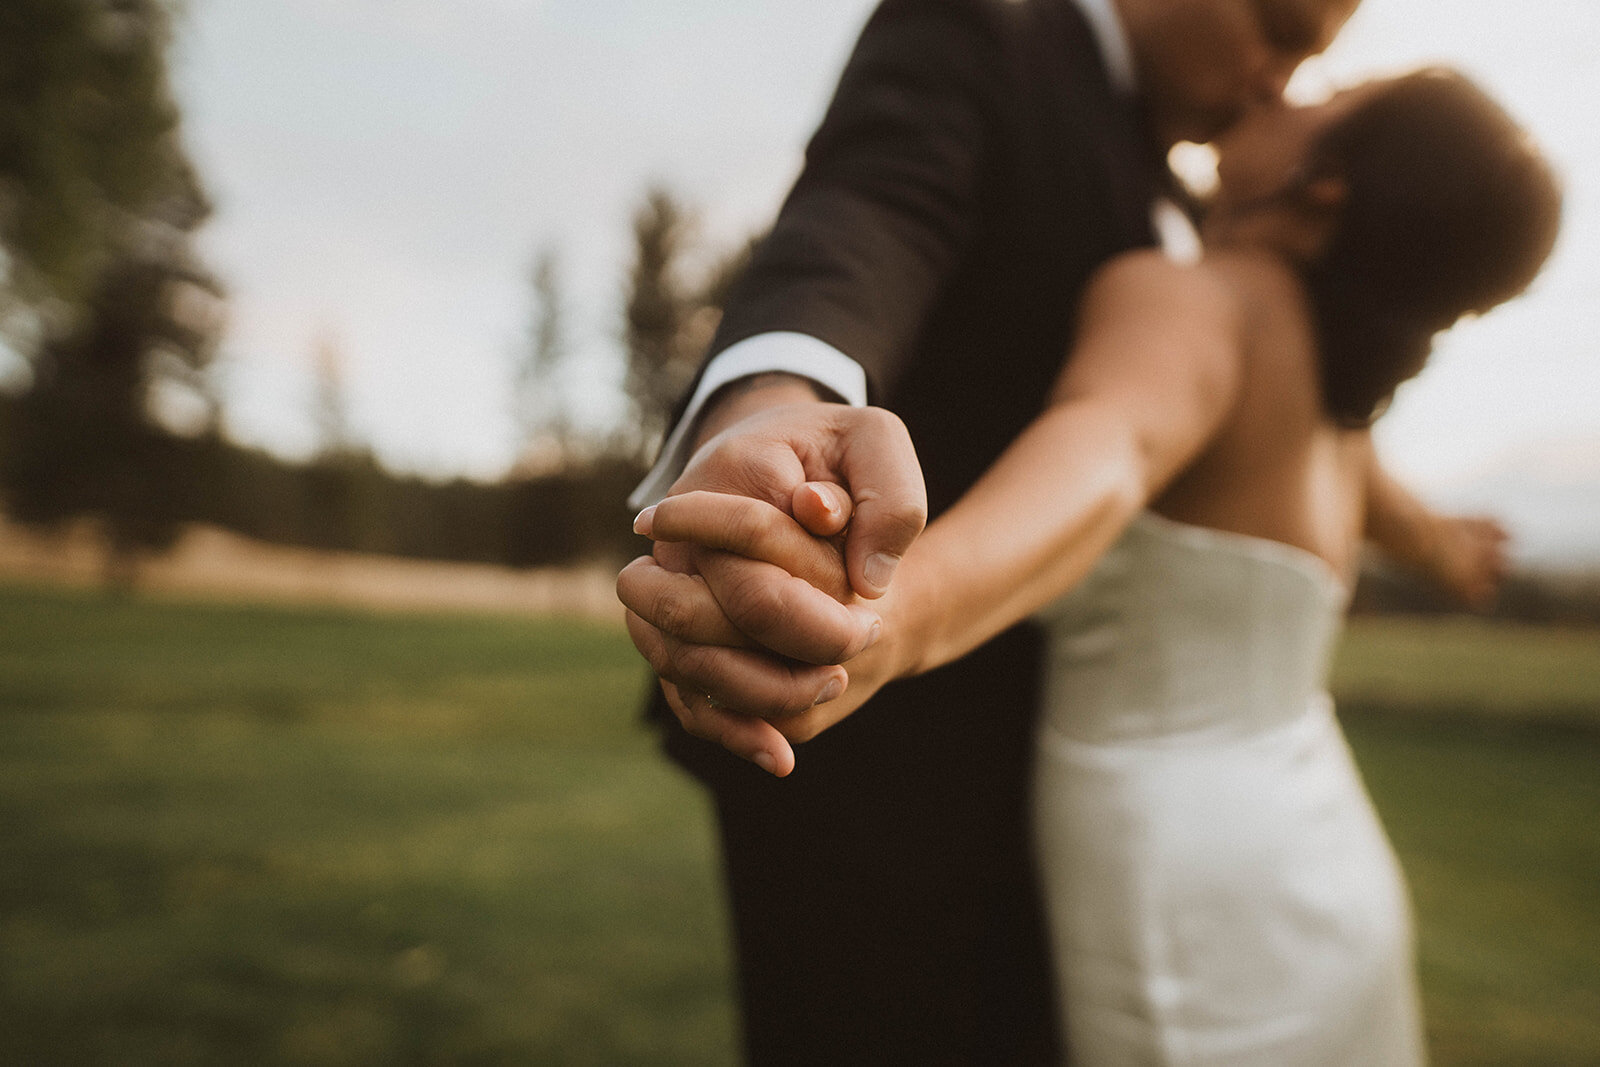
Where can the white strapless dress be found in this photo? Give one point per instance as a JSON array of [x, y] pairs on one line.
[[1219, 888]]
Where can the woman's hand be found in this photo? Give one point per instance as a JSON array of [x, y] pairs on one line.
[[1468, 558], [775, 657], [892, 656], [1464, 555]]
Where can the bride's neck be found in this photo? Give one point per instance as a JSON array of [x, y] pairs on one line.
[[1258, 232]]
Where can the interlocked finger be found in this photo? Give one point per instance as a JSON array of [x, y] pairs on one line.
[[786, 614], [753, 529], [739, 681], [679, 605], [749, 738]]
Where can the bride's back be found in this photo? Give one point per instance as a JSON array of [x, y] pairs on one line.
[[1399, 206], [1279, 467]]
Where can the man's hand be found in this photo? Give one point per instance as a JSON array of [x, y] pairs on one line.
[[697, 641], [769, 454], [750, 533], [757, 613]]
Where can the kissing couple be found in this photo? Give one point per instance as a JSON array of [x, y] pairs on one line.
[[1036, 541]]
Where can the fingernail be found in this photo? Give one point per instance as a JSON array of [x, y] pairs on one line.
[[830, 691], [641, 521], [829, 505], [764, 760], [873, 635], [879, 568]]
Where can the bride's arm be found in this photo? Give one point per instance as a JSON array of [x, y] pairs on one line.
[[1465, 555], [1151, 378]]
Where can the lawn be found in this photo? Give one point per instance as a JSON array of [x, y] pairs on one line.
[[308, 836], [1480, 743], [235, 835]]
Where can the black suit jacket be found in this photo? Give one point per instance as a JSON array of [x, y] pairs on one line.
[[973, 169]]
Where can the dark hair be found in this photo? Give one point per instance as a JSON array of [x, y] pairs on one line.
[[1449, 211]]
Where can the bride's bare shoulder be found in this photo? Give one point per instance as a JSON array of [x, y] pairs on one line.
[[1261, 279], [1153, 268], [1149, 280], [1277, 327]]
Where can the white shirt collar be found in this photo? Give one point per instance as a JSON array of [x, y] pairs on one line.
[[1106, 25]]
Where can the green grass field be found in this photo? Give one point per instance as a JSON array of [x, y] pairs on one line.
[[307, 836]]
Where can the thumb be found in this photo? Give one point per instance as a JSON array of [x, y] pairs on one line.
[[823, 508], [879, 464]]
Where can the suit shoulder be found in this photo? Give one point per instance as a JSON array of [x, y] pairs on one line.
[[995, 19]]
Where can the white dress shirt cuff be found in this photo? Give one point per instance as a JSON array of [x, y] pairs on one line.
[[789, 353]]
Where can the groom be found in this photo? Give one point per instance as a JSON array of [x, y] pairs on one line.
[[979, 160]]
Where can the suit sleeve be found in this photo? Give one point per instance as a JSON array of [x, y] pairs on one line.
[[890, 195]]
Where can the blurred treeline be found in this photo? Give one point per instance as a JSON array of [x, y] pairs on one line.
[[1553, 598], [118, 321]]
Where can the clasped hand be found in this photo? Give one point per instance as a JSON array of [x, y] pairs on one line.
[[767, 584]]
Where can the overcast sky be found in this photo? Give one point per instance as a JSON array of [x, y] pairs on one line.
[[385, 170]]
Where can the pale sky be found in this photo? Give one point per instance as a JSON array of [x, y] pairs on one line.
[[385, 170]]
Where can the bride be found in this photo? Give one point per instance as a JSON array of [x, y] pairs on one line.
[[1185, 517]]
